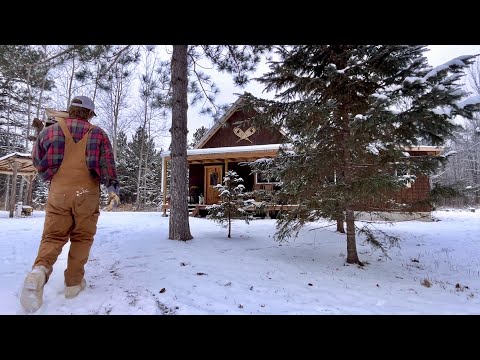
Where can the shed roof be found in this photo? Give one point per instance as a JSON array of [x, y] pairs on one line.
[[24, 160]]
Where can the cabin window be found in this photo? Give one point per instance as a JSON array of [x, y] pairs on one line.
[[213, 178], [261, 179], [404, 173]]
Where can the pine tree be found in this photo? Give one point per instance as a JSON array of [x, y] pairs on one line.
[[197, 136], [233, 59], [350, 111], [232, 202]]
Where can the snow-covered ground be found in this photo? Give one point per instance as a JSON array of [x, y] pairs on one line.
[[132, 261]]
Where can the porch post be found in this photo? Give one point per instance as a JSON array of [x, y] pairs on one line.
[[14, 189], [30, 190], [226, 166]]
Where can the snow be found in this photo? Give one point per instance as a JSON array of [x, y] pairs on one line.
[[380, 97], [414, 79], [135, 269], [458, 61], [449, 153], [446, 111], [453, 77], [373, 149], [15, 154], [458, 92], [222, 150], [474, 100]]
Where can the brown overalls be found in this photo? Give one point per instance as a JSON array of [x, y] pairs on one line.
[[72, 211]]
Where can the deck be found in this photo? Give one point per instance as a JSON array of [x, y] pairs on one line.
[[195, 208]]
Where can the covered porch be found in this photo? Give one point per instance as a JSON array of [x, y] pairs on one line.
[[207, 167]]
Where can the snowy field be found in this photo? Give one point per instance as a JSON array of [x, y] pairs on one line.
[[135, 269]]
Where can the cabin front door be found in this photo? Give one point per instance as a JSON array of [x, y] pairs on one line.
[[213, 176]]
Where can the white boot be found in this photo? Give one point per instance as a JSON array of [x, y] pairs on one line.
[[32, 292], [73, 291]]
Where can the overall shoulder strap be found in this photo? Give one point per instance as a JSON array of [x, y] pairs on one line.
[[66, 132]]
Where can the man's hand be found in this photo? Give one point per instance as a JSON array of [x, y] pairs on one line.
[[114, 189], [113, 199]]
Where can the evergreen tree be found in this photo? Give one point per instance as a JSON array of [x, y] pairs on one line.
[[40, 193], [233, 203], [350, 111], [126, 170], [197, 136], [233, 59], [150, 190]]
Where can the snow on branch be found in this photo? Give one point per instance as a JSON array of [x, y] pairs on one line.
[[474, 100], [458, 61]]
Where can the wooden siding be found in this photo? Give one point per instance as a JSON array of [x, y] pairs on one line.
[[415, 197], [225, 137]]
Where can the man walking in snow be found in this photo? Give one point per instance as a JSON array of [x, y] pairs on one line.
[[75, 157]]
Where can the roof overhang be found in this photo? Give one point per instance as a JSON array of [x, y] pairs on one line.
[[24, 164], [231, 154], [430, 150], [254, 152]]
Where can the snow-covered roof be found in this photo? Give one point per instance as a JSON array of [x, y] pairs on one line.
[[268, 147], [15, 154], [230, 149], [24, 160], [425, 148]]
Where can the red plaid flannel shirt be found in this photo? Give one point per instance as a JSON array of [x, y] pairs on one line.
[[48, 151]]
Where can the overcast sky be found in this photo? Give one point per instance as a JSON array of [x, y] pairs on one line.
[[437, 55]]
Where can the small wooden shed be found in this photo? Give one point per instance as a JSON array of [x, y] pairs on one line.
[[18, 164]]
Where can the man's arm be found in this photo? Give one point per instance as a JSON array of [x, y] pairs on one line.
[[108, 170], [38, 152]]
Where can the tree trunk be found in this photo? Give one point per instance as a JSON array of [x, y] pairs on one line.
[[476, 170], [139, 175], [29, 105], [7, 194], [25, 193], [179, 227], [352, 256], [229, 225], [340, 227], [30, 191], [70, 82], [145, 166], [44, 79], [116, 112], [14, 189], [20, 192], [142, 147]]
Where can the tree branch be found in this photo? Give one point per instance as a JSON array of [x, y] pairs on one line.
[[200, 82], [75, 47]]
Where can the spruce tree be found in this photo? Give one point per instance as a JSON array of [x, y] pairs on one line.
[[232, 202], [350, 111], [130, 158], [125, 170]]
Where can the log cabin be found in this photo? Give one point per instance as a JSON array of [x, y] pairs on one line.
[[228, 144]]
